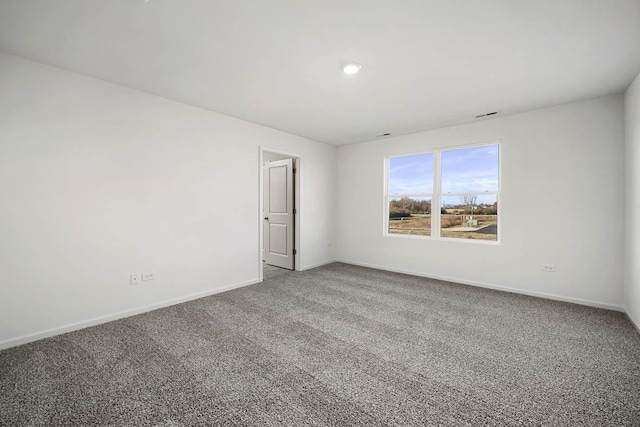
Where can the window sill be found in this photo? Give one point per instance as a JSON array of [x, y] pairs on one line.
[[443, 239]]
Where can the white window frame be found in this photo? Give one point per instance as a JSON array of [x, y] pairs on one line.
[[437, 195]]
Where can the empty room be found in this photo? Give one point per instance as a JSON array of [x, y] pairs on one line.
[[319, 213]]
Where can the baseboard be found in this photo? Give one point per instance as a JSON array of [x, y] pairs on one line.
[[13, 342], [636, 325], [320, 264], [490, 286]]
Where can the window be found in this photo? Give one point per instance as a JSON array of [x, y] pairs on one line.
[[461, 184], [410, 194]]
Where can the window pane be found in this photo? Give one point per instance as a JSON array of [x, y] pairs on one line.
[[469, 217], [411, 174], [410, 215], [470, 170]]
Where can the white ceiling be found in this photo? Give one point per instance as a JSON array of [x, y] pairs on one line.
[[426, 63]]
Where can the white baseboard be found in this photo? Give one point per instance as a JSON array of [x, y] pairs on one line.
[[633, 322], [320, 264], [491, 286], [13, 342]]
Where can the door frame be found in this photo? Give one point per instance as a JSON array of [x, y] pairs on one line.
[[297, 220]]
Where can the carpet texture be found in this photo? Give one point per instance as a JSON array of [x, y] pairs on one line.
[[338, 345], [271, 271]]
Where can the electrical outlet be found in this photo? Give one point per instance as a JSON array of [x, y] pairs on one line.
[[135, 278], [148, 276], [549, 268]]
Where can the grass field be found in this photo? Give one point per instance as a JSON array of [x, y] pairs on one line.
[[421, 226]]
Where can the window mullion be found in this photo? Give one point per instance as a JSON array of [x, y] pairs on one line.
[[435, 199]]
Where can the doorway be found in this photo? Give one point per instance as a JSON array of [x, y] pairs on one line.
[[279, 213]]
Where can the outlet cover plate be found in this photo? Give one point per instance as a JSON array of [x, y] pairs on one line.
[[135, 278], [148, 276]]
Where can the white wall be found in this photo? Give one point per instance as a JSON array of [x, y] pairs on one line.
[[562, 202], [98, 181], [632, 212]]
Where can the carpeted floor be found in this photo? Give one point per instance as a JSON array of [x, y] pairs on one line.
[[271, 271], [337, 345]]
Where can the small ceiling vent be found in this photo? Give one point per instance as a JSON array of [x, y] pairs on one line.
[[493, 113]]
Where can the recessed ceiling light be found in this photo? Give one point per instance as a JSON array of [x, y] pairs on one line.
[[351, 68]]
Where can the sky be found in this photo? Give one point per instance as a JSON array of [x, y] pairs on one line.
[[472, 169]]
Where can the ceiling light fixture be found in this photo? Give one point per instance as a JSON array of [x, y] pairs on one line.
[[351, 68]]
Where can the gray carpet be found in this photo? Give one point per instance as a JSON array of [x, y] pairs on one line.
[[337, 345], [271, 271]]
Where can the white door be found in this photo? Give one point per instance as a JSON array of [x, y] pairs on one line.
[[279, 211]]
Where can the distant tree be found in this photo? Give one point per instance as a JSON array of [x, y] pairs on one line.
[[407, 206], [469, 203]]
